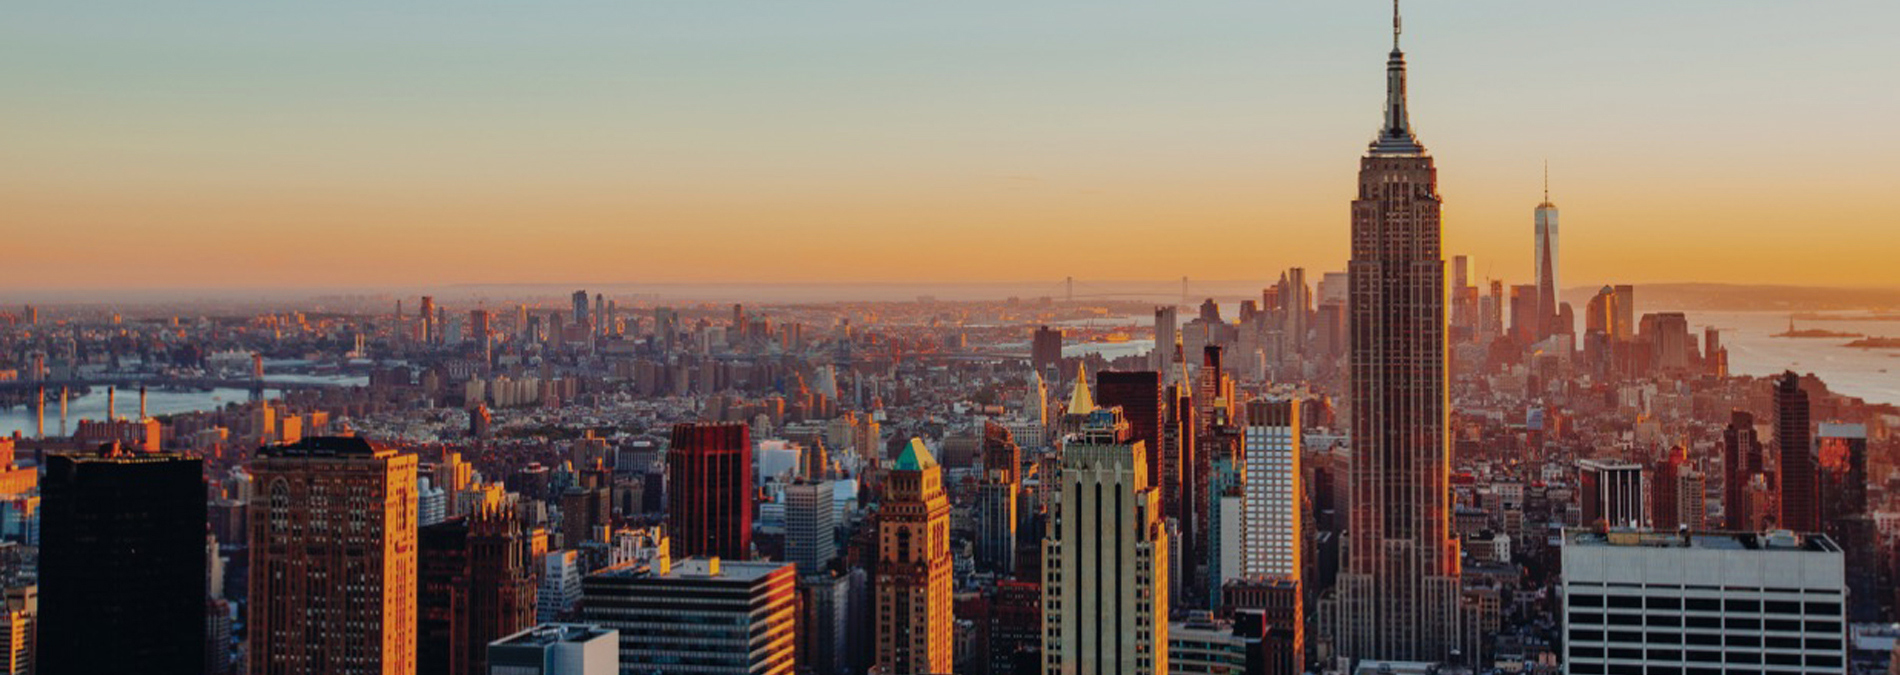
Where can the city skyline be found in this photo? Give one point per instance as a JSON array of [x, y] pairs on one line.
[[520, 145], [1400, 461]]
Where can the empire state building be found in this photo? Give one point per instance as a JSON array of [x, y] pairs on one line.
[[1399, 596]]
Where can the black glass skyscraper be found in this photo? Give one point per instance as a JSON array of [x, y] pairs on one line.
[[122, 564]]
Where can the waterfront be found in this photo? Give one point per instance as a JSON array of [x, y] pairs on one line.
[[158, 402], [1871, 374]]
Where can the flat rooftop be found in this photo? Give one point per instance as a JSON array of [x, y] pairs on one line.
[[551, 633], [1780, 540], [700, 569]]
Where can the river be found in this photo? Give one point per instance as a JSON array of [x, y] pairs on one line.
[[158, 402], [1871, 374]]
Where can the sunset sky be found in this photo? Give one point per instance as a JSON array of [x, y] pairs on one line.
[[245, 144]]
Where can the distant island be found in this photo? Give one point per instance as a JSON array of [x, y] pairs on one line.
[[1810, 316], [1793, 332], [1815, 333], [1876, 343]]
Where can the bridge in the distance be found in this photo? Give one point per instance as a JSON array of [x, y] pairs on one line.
[[1186, 292], [132, 382]]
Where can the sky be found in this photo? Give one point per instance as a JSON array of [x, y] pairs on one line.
[[197, 144]]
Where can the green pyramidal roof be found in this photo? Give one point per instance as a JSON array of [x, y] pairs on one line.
[[916, 457]]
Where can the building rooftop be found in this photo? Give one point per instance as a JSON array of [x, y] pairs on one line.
[[1779, 540], [699, 569], [1832, 430], [326, 446], [916, 457], [551, 633]]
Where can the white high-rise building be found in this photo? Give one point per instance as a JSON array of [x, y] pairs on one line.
[[1688, 603], [1166, 334], [1105, 559], [560, 592], [1271, 492], [432, 503], [810, 539]]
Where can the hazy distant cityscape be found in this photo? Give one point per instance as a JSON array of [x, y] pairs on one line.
[[1397, 462]]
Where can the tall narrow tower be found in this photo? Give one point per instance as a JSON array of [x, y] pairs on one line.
[[1399, 596], [1105, 557], [914, 620], [1546, 251]]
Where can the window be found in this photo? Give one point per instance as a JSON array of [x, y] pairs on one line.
[[1663, 603]]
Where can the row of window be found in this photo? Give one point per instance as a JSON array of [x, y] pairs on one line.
[[1731, 605], [1829, 644], [1700, 656], [1692, 621]]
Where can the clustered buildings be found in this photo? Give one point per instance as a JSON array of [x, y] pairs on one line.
[[1393, 469]]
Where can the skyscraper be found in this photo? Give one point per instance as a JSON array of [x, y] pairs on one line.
[[1800, 499], [1296, 304], [122, 564], [1045, 350], [1611, 491], [476, 580], [1105, 558], [1399, 596], [914, 620], [996, 514], [333, 559], [1624, 326], [1166, 334], [709, 490], [810, 526], [1599, 314], [1138, 394], [740, 617], [1741, 462], [1545, 249], [1271, 494], [428, 328]]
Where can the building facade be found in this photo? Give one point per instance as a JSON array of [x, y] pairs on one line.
[[709, 491], [1105, 558], [1399, 596], [1271, 518], [914, 620], [122, 563], [702, 615], [333, 559], [1702, 602]]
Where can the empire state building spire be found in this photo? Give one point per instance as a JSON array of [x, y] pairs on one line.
[[1396, 138], [1400, 594]]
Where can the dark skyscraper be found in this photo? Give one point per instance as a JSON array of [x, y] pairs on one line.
[[709, 491], [1611, 492], [1741, 462], [1399, 598], [477, 585], [122, 564], [997, 517], [1800, 501], [1045, 350], [1139, 396]]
